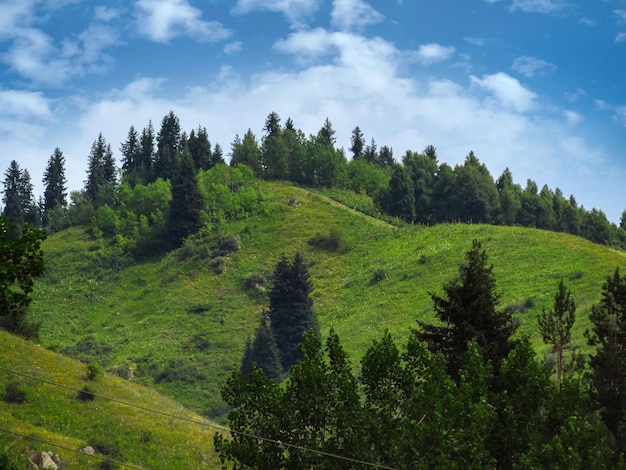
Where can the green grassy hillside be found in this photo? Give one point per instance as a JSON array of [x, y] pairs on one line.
[[181, 320], [120, 432]]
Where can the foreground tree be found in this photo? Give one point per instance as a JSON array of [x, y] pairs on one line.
[[608, 364], [21, 259], [555, 325], [19, 202], [469, 311]]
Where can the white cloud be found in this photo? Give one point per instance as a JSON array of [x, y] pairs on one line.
[[621, 16], [348, 15], [575, 95], [587, 21], [107, 14], [295, 10], [233, 47], [532, 66], [621, 37], [620, 115], [431, 53], [163, 20], [508, 91], [538, 6], [24, 105], [475, 41], [572, 117]]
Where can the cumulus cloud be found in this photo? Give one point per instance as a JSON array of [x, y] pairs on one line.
[[294, 10], [575, 95], [350, 15], [587, 21], [508, 91], [572, 117], [233, 47], [24, 104], [621, 37], [532, 66], [163, 20], [431, 53], [475, 41], [107, 14], [538, 6], [621, 16]]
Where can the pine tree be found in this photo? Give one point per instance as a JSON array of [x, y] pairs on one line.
[[555, 325], [101, 171], [187, 201], [217, 157], [263, 352], [168, 152], [200, 149], [19, 201], [131, 157], [608, 364], [247, 152], [326, 135], [468, 311], [402, 203], [291, 308], [146, 155], [55, 189], [357, 143]]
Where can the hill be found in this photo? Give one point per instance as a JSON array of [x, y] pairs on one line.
[[181, 320], [53, 412]]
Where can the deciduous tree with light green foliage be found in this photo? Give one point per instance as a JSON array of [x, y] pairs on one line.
[[21, 260], [555, 325]]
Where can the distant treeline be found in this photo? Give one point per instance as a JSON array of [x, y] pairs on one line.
[[174, 169]]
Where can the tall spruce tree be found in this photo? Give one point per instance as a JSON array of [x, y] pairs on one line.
[[19, 200], [187, 201], [291, 308], [131, 158], [168, 152], [101, 171], [357, 143], [555, 325], [608, 364], [469, 311], [263, 352], [200, 148], [217, 157], [146, 155], [55, 184]]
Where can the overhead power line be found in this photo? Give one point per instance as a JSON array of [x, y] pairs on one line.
[[203, 423]]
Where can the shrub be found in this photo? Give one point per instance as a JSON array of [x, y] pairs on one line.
[[86, 394], [379, 275], [254, 282], [93, 371], [229, 244], [14, 393], [332, 241]]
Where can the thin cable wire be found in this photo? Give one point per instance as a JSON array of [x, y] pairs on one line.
[[60, 446], [202, 423]]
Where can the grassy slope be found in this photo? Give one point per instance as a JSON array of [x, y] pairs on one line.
[[55, 414], [184, 322]]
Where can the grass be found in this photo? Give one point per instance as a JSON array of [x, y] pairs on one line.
[[56, 414], [181, 321]]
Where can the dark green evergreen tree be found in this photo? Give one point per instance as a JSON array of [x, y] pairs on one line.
[[608, 364], [476, 191], [131, 158], [54, 206], [262, 352], [200, 149], [101, 171], [18, 198], [423, 170], [291, 308], [326, 135], [555, 325], [469, 311], [357, 143], [187, 202], [21, 259], [385, 157], [274, 150], [402, 197], [247, 152], [168, 152], [370, 154], [146, 156], [217, 157]]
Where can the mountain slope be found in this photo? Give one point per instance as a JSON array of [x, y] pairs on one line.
[[54, 413], [181, 320]]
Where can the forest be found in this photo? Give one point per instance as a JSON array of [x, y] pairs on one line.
[[464, 391]]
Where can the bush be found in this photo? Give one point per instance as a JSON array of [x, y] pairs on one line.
[[254, 282], [379, 275], [93, 371], [333, 241], [14, 393], [106, 446], [86, 394], [229, 244]]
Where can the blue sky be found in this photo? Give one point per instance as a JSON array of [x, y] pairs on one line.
[[533, 85]]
